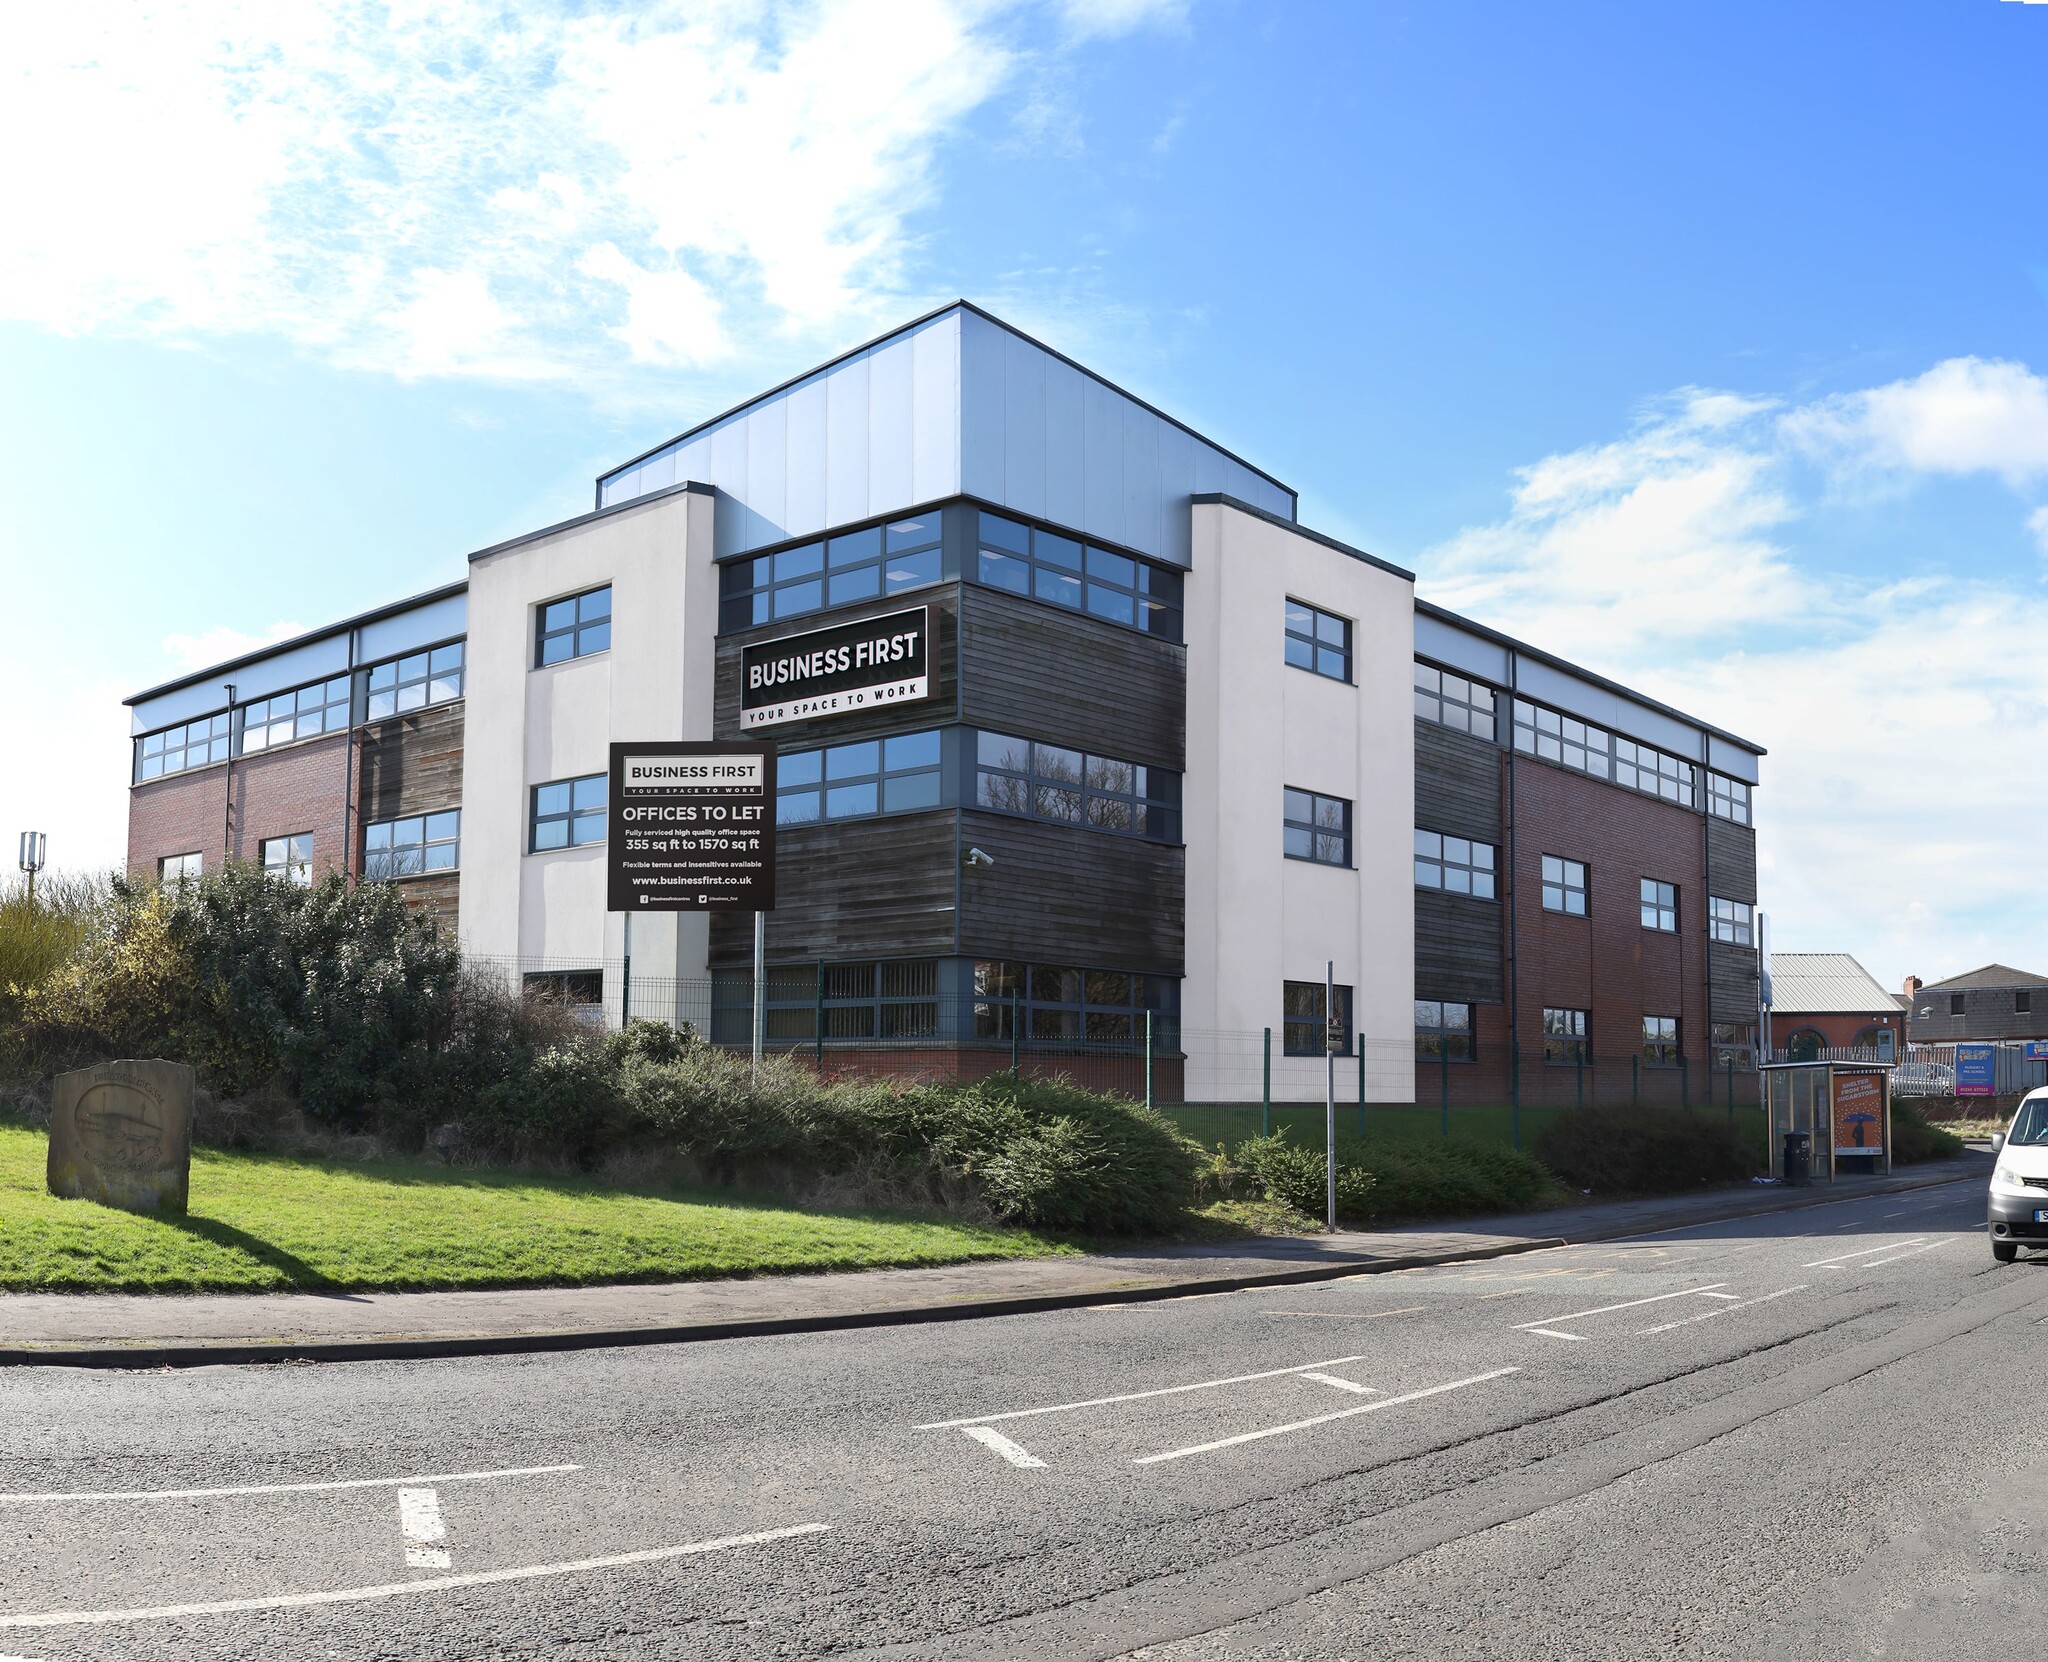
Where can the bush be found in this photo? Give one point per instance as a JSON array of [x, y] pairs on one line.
[[1632, 1151], [1913, 1139], [1380, 1182], [37, 938]]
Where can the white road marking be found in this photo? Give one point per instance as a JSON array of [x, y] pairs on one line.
[[1729, 1296], [1346, 1315], [1015, 1453], [1867, 1252], [1910, 1252], [292, 1488], [1345, 1384], [1722, 1310], [1321, 1419], [419, 1520], [1132, 1396], [396, 1589], [1553, 1333], [1659, 1298]]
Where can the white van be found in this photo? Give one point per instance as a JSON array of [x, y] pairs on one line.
[[2018, 1206]]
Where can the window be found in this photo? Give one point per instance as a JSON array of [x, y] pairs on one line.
[[1564, 1037], [852, 781], [1728, 798], [414, 681], [410, 847], [1660, 905], [1654, 773], [1660, 1041], [2023, 1002], [180, 749], [579, 990], [569, 813], [1443, 1032], [863, 1001], [1050, 567], [1563, 739], [175, 868], [1057, 1005], [1734, 1044], [1456, 865], [832, 571], [573, 628], [1728, 920], [1318, 641], [303, 713], [1049, 781], [1564, 886], [1955, 1004], [1302, 1017], [289, 857], [1452, 701], [1316, 827]]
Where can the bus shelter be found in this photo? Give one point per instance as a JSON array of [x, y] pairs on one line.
[[1844, 1108]]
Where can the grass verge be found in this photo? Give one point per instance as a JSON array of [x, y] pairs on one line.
[[265, 1223]]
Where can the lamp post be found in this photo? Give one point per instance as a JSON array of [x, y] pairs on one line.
[[35, 851]]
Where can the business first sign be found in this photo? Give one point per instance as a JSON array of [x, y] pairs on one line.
[[692, 828], [867, 665]]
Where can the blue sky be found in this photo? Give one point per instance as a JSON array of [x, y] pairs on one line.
[[1706, 345]]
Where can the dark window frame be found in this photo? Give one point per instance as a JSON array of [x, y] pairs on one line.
[[417, 680], [1731, 922], [794, 780], [390, 856], [1111, 585], [1062, 1004], [1440, 1037], [900, 552], [1660, 906], [2023, 1001], [1446, 698], [1645, 769], [1103, 790], [1573, 878], [311, 711], [580, 629], [1661, 1042], [865, 1001], [294, 865], [1567, 1036], [1309, 647], [1302, 1013], [1958, 1003], [1315, 833], [1552, 736], [1437, 854], [1728, 798], [202, 742], [578, 807]]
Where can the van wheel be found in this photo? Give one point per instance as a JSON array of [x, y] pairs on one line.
[[2005, 1251]]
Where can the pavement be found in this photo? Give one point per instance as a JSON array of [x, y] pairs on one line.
[[156, 1330], [1794, 1436]]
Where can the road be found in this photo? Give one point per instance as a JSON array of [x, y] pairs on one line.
[[1805, 1435]]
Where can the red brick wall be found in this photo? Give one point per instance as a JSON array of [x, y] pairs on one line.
[[298, 788], [1836, 1031], [1607, 962]]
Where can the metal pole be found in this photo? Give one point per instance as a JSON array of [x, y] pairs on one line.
[[820, 1035], [1266, 1090], [1443, 1068], [1731, 1088], [1515, 1091], [1016, 1030], [227, 812], [626, 979], [1148, 1058], [1330, 1091], [760, 987], [1361, 1091]]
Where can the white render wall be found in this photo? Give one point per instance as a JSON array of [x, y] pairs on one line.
[[1256, 725], [527, 726]]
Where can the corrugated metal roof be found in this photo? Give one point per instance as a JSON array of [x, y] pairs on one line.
[[1826, 984], [1991, 975]]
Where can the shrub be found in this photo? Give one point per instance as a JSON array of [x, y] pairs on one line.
[[1913, 1139], [37, 938], [1631, 1151], [1380, 1182]]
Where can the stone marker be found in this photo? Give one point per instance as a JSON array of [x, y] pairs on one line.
[[121, 1134]]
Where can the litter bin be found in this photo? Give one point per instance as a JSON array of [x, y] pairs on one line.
[[1798, 1157]]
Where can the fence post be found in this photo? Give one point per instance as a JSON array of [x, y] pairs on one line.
[[1148, 1060], [1443, 1086], [1635, 1082], [820, 1032], [1361, 1088], [1016, 1030], [1579, 1073], [1266, 1090], [1731, 1087], [1685, 1085], [1515, 1091]]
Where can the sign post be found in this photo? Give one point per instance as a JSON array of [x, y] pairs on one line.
[[1333, 1041], [692, 829]]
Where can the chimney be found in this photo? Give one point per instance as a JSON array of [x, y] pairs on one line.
[[1913, 985]]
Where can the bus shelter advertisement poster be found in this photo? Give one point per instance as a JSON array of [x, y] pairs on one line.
[[1859, 1113]]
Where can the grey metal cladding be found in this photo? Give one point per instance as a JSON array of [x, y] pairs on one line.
[[1442, 642], [1564, 691], [955, 403], [1458, 949], [1731, 759], [428, 625], [902, 907], [1457, 783], [290, 667], [1063, 894], [1731, 860], [1731, 982]]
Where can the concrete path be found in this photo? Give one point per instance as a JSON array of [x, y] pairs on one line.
[[137, 1330]]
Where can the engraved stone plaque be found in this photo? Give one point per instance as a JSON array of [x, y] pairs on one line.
[[121, 1134]]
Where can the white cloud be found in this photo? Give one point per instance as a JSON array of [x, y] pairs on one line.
[[447, 187], [1113, 19], [1898, 802], [1965, 415], [219, 644], [2037, 522]]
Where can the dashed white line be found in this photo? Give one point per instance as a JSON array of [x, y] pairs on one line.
[[1015, 1453], [1347, 1315], [1553, 1333], [1868, 1252], [397, 1589], [289, 1488], [1722, 1310], [1604, 1309], [1911, 1252], [1345, 1384], [1728, 1296], [1131, 1396], [419, 1520], [1321, 1419]]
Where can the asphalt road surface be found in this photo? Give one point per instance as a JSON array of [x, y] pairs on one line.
[[1815, 1435]]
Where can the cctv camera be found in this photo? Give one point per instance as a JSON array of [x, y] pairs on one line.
[[978, 857]]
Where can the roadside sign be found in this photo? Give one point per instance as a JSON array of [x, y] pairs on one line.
[[864, 665], [1976, 1070], [1858, 1113], [2037, 1050], [1333, 1030], [692, 828]]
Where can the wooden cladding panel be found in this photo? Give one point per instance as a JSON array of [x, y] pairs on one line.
[[1731, 860], [1063, 894], [1457, 783], [411, 764], [1046, 673], [941, 707], [1731, 982], [1457, 948], [875, 888]]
